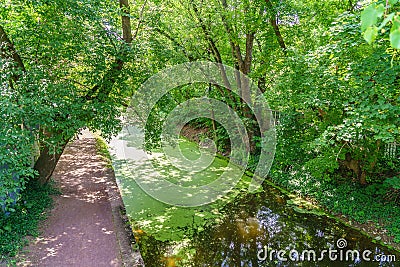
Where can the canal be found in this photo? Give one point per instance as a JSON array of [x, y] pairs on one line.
[[266, 228]]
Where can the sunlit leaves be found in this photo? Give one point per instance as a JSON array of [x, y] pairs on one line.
[[346, 96], [395, 38], [386, 20], [370, 34], [66, 47], [395, 33], [370, 17]]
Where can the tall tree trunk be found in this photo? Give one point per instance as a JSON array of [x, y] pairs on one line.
[[217, 56], [214, 126], [126, 21], [243, 64], [101, 90]]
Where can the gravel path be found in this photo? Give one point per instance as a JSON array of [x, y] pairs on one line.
[[85, 227]]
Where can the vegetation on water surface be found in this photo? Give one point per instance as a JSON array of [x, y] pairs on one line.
[[67, 64]]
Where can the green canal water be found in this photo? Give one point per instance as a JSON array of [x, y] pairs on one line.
[[265, 228]]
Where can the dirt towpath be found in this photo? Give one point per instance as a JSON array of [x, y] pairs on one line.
[[85, 227]]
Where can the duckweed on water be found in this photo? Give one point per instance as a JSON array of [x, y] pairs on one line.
[[235, 229]]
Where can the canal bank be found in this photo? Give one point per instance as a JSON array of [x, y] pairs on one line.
[[230, 231]]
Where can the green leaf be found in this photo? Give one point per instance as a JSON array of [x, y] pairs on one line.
[[396, 23], [395, 38], [392, 2], [386, 20], [370, 34], [370, 15]]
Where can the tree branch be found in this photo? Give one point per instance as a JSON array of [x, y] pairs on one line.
[[140, 20], [102, 90], [175, 42], [7, 51], [276, 27], [213, 46]]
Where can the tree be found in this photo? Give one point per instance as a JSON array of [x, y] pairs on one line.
[[225, 32], [346, 101], [63, 63]]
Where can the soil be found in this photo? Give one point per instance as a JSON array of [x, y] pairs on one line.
[[197, 135], [86, 225], [373, 230]]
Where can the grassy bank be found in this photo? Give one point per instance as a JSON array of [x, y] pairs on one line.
[[29, 211], [366, 207], [102, 149]]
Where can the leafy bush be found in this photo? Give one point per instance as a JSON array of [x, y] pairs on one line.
[[16, 153], [24, 221]]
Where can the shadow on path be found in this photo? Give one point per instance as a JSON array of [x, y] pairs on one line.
[[84, 228]]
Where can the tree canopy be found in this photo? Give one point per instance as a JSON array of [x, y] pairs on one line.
[[71, 64]]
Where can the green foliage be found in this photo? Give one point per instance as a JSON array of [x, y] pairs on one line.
[[370, 15], [358, 203], [393, 182], [374, 13], [102, 150], [338, 97], [24, 221], [16, 152], [392, 186], [66, 48], [339, 104], [347, 112]]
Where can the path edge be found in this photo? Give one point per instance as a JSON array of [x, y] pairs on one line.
[[130, 257]]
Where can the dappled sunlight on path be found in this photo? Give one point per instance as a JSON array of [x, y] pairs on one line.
[[80, 229]]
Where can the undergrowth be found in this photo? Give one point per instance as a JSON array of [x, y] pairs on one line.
[[358, 203], [23, 222]]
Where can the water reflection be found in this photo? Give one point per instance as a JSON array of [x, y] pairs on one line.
[[246, 230], [254, 229]]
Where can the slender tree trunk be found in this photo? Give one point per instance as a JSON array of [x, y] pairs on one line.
[[7, 51], [126, 21], [363, 178], [276, 27], [102, 90], [243, 64], [214, 126], [216, 54]]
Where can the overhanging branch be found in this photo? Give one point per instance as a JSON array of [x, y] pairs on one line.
[[101, 91], [7, 51]]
